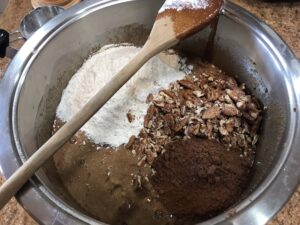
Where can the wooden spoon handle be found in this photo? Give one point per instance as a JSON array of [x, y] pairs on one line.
[[161, 38], [19, 178]]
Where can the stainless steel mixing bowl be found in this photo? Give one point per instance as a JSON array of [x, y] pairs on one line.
[[37, 18], [243, 46]]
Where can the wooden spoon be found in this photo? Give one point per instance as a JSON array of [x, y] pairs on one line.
[[170, 27]]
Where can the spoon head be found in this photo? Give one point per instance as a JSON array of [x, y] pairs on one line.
[[189, 18]]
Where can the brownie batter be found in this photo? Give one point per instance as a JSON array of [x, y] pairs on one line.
[[199, 177], [190, 162], [107, 184]]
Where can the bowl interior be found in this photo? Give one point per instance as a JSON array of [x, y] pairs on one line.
[[237, 49]]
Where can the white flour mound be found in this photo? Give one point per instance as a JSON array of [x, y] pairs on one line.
[[110, 124], [184, 4]]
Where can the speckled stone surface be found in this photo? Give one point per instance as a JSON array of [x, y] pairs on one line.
[[283, 17]]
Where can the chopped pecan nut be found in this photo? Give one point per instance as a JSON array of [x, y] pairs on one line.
[[159, 104], [241, 105], [213, 95], [254, 128], [180, 124], [198, 94], [169, 120], [223, 131], [169, 93], [211, 113], [189, 104], [229, 125], [229, 110], [248, 117], [188, 95], [183, 110], [235, 94], [149, 98], [192, 130], [142, 161], [168, 108], [231, 83], [130, 142], [130, 116], [206, 104], [187, 84], [151, 112], [254, 114], [255, 140]]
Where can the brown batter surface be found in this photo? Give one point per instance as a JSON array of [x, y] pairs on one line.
[[108, 184]]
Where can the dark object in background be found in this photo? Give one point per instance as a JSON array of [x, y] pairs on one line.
[[4, 42]]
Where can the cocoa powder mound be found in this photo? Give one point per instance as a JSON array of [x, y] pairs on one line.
[[199, 177]]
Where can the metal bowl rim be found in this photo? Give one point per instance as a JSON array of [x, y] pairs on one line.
[[34, 45]]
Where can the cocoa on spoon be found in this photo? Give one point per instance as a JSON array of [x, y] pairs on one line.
[[189, 16], [171, 26]]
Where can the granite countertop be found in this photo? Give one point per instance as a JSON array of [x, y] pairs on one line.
[[283, 17]]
